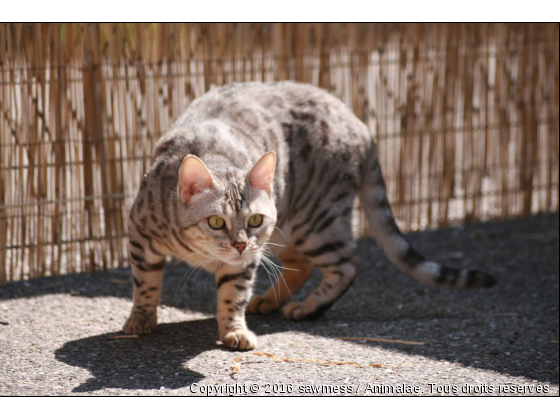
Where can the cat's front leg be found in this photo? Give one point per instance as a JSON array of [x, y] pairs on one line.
[[235, 284], [147, 292], [147, 272]]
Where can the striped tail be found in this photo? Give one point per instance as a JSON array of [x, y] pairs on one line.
[[399, 251]]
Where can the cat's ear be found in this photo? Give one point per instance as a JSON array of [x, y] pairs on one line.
[[262, 174], [194, 177]]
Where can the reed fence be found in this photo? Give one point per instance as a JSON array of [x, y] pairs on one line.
[[465, 116]]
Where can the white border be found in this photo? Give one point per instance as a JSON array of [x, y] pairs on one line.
[[283, 10]]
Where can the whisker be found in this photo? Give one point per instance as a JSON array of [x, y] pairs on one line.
[[181, 286], [279, 276], [272, 243], [216, 263], [196, 275], [189, 273], [196, 278], [197, 272], [282, 267], [279, 230], [270, 278], [191, 255]]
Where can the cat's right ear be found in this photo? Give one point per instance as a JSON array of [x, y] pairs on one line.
[[194, 178]]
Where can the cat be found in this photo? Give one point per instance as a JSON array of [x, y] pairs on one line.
[[251, 166]]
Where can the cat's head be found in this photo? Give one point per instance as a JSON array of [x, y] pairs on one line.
[[228, 217]]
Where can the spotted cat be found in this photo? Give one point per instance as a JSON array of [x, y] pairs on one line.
[[252, 165]]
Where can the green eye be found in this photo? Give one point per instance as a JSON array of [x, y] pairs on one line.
[[216, 222], [255, 220]]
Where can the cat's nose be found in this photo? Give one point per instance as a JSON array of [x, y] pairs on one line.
[[240, 246]]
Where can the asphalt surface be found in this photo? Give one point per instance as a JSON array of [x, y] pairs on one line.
[[54, 332]]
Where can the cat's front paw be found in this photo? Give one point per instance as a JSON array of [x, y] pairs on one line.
[[240, 340], [262, 305], [140, 324]]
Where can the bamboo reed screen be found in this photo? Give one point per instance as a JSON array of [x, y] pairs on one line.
[[466, 118]]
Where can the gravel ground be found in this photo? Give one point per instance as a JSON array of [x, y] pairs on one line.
[[54, 332]]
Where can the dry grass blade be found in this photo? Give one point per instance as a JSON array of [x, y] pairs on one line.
[[117, 281], [123, 337], [381, 340], [504, 314], [238, 361]]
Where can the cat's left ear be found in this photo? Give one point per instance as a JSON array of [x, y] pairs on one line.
[[194, 177], [262, 174]]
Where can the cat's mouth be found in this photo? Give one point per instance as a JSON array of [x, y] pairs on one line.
[[240, 259]]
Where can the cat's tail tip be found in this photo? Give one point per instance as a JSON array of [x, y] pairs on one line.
[[454, 278], [483, 280]]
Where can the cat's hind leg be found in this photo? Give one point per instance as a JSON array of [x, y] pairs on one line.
[[332, 250], [295, 272]]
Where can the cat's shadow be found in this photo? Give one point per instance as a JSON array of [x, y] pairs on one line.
[[150, 362], [159, 360]]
